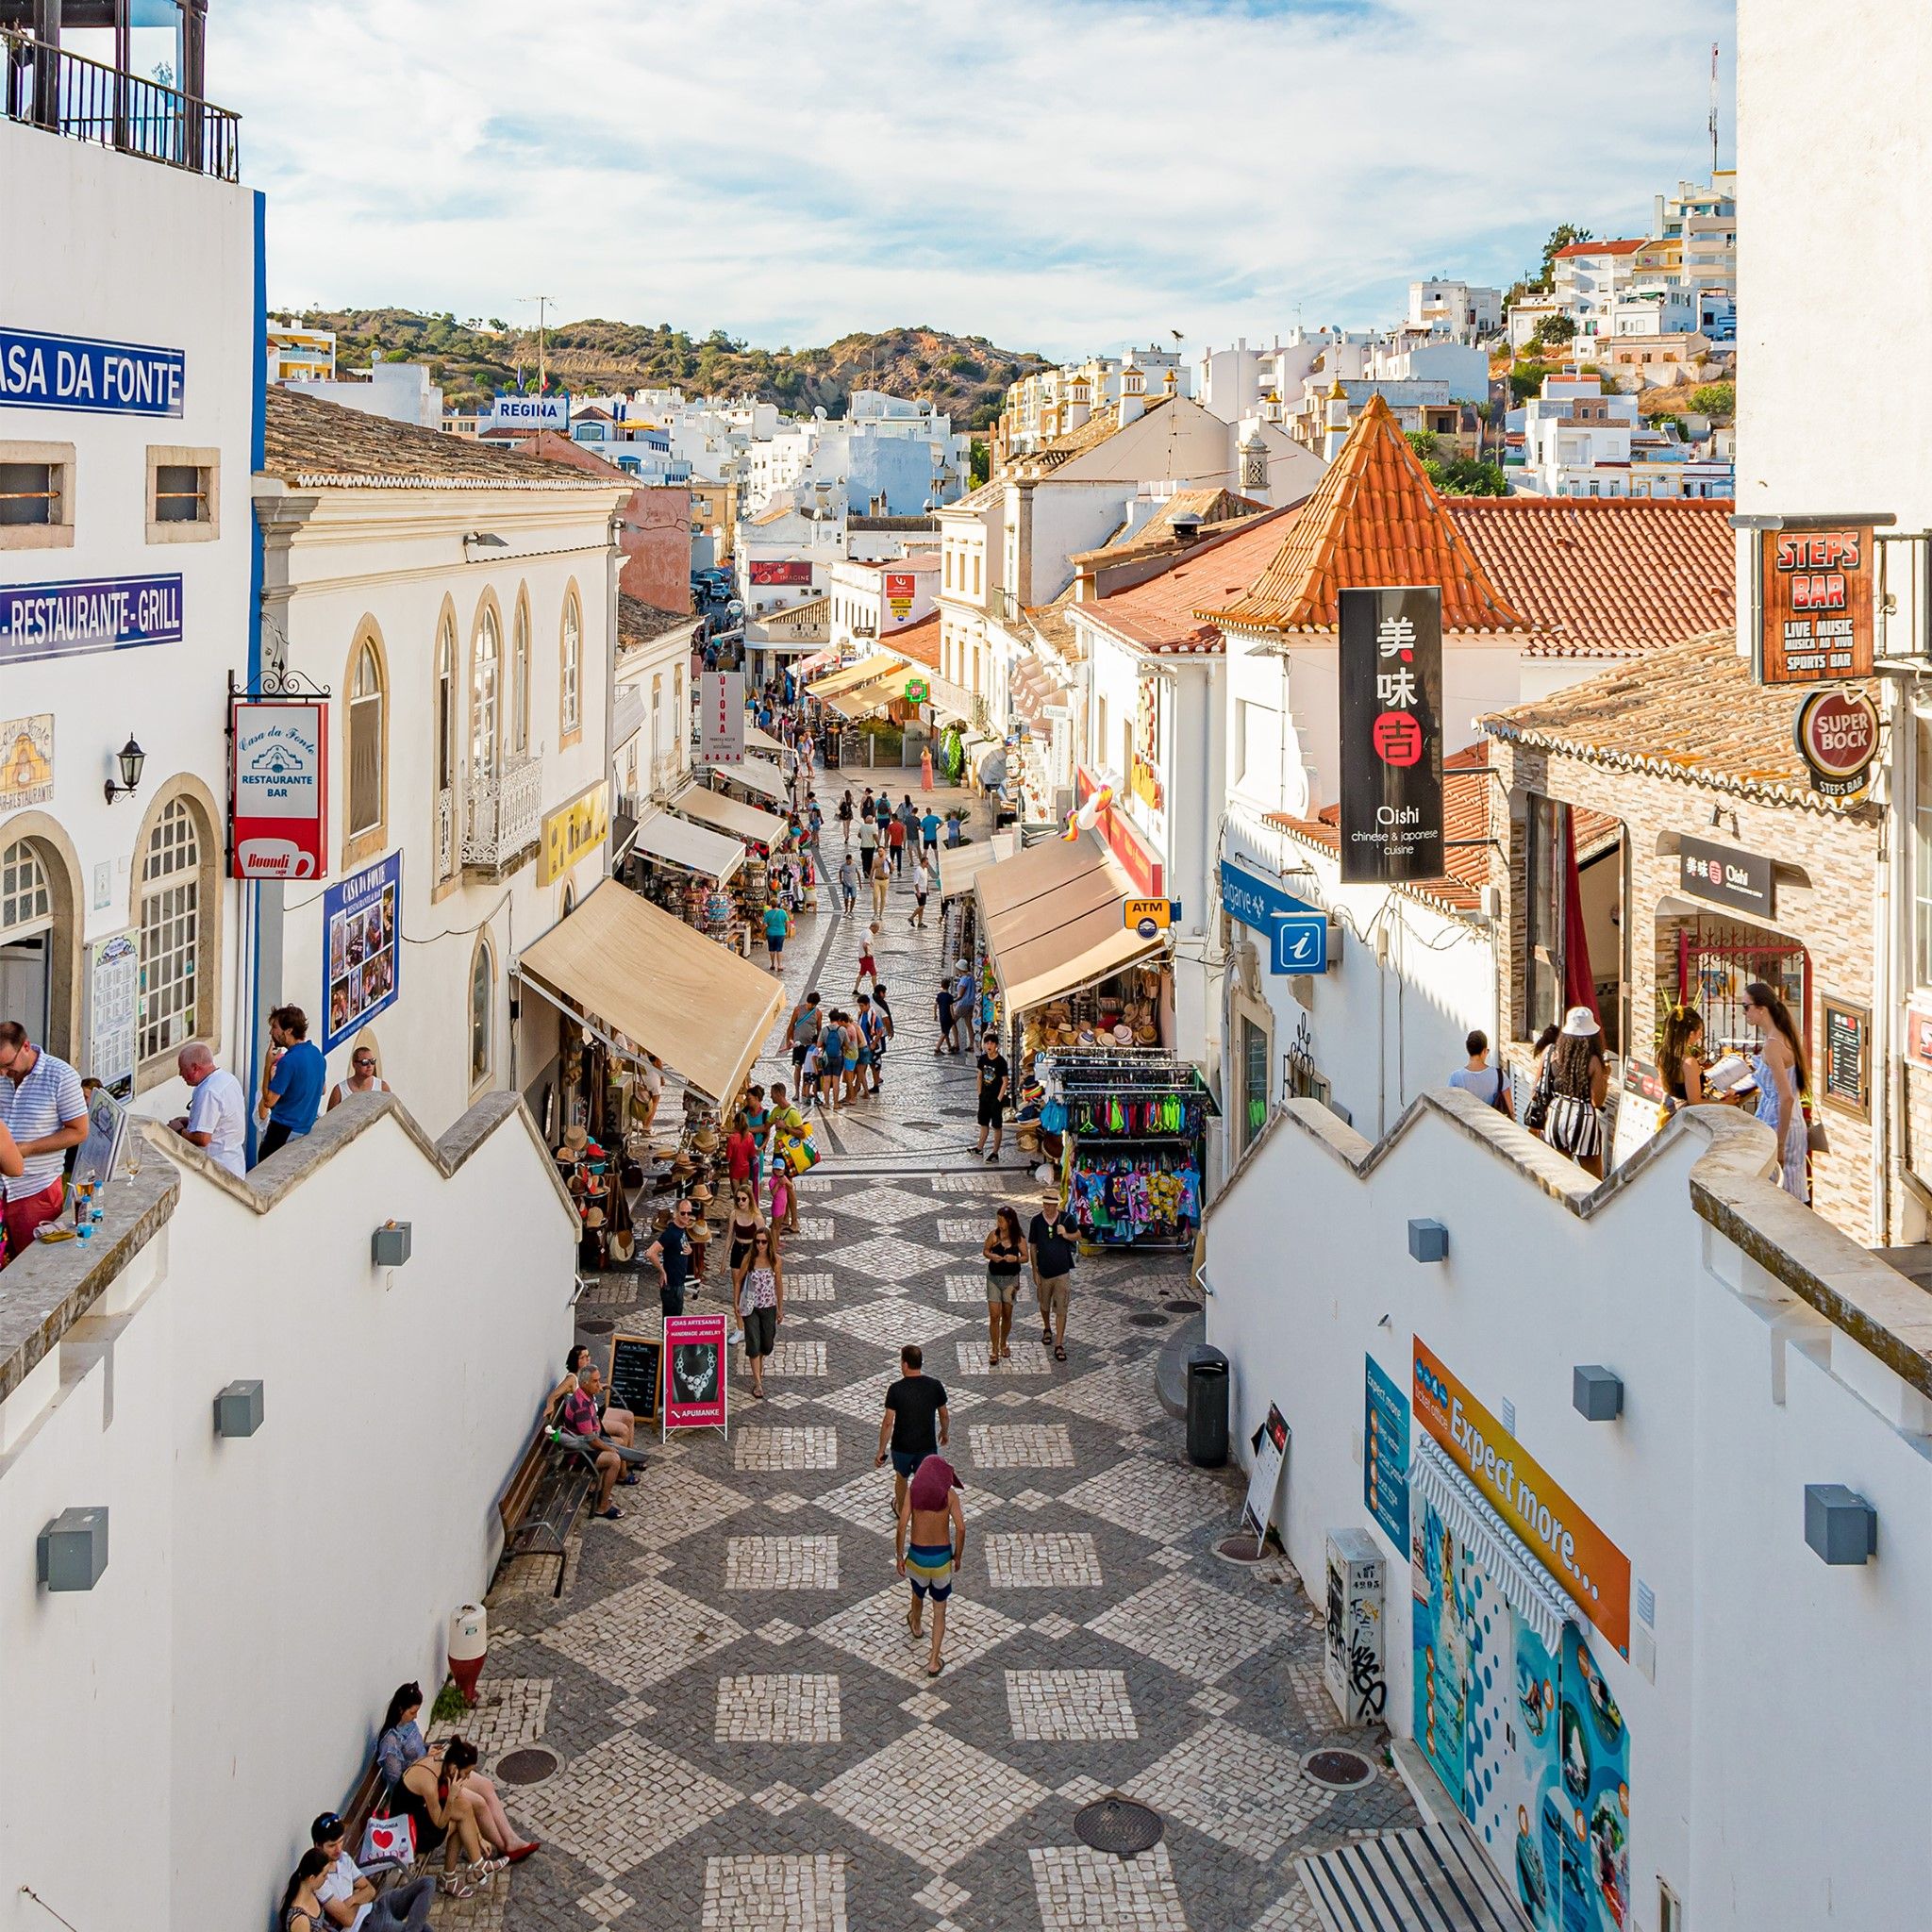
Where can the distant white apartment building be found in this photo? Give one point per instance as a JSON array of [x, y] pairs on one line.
[[1056, 402], [1577, 441], [297, 352], [889, 456], [1702, 221], [1461, 310]]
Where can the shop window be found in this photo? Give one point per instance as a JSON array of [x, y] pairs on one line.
[[366, 724], [1255, 1051], [573, 711], [170, 931], [445, 802], [1717, 959], [36, 496], [482, 1012]]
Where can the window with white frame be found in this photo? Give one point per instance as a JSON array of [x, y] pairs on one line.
[[573, 666], [485, 671], [366, 698], [170, 931], [519, 681]]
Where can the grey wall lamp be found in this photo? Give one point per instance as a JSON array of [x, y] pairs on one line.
[[1840, 1525], [72, 1552], [1428, 1241], [238, 1410], [131, 759]]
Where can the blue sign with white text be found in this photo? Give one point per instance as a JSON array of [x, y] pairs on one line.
[[1385, 1454], [1301, 942], [81, 374], [92, 614]]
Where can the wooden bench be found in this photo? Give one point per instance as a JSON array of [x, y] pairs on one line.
[[371, 1792], [540, 1503]]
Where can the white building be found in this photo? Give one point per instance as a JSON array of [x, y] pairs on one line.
[[1702, 219], [873, 599], [652, 714], [1464, 311], [459, 602], [402, 391], [1056, 402], [1577, 440]]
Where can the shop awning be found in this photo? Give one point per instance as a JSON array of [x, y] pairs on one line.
[[867, 698], [761, 740], [729, 815], [959, 865], [817, 661], [756, 775], [1053, 919], [664, 836], [695, 1005], [867, 671], [1526, 1586]]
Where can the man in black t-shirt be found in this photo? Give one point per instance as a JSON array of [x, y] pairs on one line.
[[992, 1094], [916, 1421], [670, 1251], [1051, 1239]]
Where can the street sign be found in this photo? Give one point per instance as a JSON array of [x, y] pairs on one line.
[[1300, 944], [1149, 917]]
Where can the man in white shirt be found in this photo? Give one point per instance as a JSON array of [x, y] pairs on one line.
[[42, 1106], [217, 1117]]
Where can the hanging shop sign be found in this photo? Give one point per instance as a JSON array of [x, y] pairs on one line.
[[572, 830], [26, 761], [516, 411], [279, 789], [694, 1393], [1837, 732], [1140, 864], [1391, 735], [72, 619], [902, 588], [362, 947], [779, 571], [917, 690], [1585, 1564], [1817, 601], [1726, 877], [1149, 917], [1301, 945], [1845, 1070], [113, 999], [85, 376], [1385, 1453], [721, 717]]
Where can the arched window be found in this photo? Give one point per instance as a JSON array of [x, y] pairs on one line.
[[573, 666], [366, 699], [27, 938], [485, 671], [170, 931], [445, 799], [482, 1012], [519, 680]]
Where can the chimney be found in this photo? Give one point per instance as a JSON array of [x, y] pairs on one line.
[[1132, 407]]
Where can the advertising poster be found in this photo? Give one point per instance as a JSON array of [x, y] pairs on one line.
[[278, 803], [1385, 1454], [1817, 599], [572, 830], [114, 997], [26, 761], [1264, 1479], [721, 717], [1391, 735], [694, 1372], [361, 947], [902, 587], [775, 570]]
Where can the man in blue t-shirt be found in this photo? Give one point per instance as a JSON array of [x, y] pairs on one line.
[[292, 1087]]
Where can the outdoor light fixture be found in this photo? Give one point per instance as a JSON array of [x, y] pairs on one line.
[[1840, 1525], [1597, 1393], [474, 541], [238, 1410], [389, 1246], [130, 759], [1428, 1241], [72, 1552]]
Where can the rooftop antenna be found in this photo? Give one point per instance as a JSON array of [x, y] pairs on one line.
[[542, 365], [1713, 113]]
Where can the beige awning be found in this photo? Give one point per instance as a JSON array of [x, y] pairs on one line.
[[866, 698], [730, 814], [756, 775], [694, 1002], [1053, 918], [697, 848], [959, 865], [866, 670], [761, 740]]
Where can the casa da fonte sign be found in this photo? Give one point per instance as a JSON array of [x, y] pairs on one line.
[[90, 376]]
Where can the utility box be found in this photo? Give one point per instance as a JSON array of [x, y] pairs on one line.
[[389, 1246], [1353, 1649], [72, 1552], [238, 1410], [1840, 1525]]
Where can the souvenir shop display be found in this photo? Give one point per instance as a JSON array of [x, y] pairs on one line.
[[1121, 1012], [1132, 1125]]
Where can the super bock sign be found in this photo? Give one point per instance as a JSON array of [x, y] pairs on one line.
[[1391, 735]]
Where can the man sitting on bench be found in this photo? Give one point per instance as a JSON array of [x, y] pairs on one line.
[[619, 1426], [583, 1430]]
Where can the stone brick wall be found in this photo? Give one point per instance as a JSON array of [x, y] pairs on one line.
[[1826, 863]]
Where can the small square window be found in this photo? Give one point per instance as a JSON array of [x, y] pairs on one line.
[[36, 496], [180, 493], [29, 493], [184, 494]]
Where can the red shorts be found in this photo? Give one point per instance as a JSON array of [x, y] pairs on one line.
[[28, 1213]]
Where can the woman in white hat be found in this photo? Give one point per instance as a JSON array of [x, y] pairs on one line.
[[1580, 1079]]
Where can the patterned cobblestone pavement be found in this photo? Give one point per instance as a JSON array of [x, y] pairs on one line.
[[745, 1734]]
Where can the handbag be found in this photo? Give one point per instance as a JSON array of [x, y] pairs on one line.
[[388, 1838], [1816, 1139], [1536, 1113]]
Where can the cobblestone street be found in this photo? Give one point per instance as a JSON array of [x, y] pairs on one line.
[[744, 1735]]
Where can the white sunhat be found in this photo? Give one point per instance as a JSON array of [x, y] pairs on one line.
[[1581, 1023]]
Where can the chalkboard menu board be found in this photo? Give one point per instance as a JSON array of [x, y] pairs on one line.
[[1844, 1076], [634, 1374]]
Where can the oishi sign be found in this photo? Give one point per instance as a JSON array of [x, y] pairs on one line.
[[1817, 599], [279, 799], [1391, 735], [1838, 738]]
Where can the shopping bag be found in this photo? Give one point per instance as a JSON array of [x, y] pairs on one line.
[[802, 1156], [387, 1841]]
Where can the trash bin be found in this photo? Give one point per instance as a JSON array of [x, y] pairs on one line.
[[1207, 1408]]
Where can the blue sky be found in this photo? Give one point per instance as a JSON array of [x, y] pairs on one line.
[[1058, 175]]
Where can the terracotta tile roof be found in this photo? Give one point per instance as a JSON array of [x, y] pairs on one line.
[[1210, 511], [1161, 615], [316, 445], [1691, 712], [1055, 628], [1374, 519], [919, 640], [1467, 780], [1576, 248], [637, 622], [1606, 576]]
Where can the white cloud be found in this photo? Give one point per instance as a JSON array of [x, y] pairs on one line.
[[1059, 174]]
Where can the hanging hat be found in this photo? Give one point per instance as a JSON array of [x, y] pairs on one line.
[[1580, 1022], [594, 1218], [701, 1193], [575, 1137]]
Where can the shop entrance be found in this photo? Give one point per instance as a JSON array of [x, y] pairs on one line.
[[1710, 962]]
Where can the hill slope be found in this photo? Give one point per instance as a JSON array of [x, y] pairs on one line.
[[963, 375]]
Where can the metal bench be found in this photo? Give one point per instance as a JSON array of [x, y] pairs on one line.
[[538, 1508]]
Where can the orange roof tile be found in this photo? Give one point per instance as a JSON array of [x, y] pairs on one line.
[[919, 640], [1606, 576], [1575, 248], [1375, 519], [1160, 614]]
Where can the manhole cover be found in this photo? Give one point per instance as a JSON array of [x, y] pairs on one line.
[[596, 1325], [1183, 1308], [1340, 1769], [1118, 1825], [922, 1127], [1239, 1549], [957, 1114], [1148, 1318], [526, 1767]]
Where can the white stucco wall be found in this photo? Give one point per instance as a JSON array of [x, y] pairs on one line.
[[222, 1682], [1737, 1395]]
